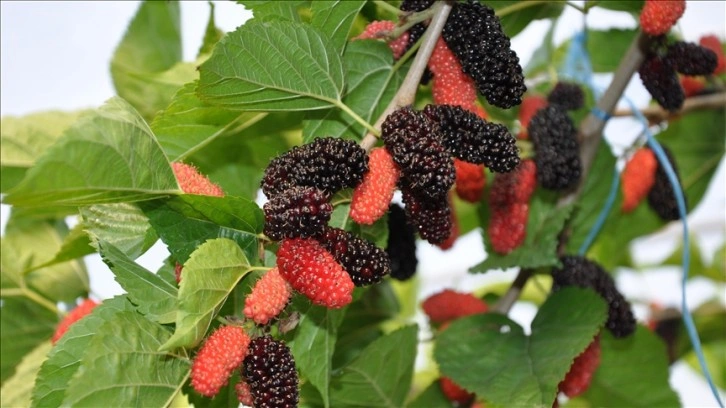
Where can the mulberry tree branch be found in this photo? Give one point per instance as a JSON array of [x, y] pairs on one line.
[[407, 92], [590, 134], [656, 113]]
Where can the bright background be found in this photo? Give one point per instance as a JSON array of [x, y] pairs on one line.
[[56, 55]]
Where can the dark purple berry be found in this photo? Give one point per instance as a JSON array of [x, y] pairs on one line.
[[298, 212]]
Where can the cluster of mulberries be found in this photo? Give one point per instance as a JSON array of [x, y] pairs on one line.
[[269, 371], [474, 33], [509, 207], [401, 248], [659, 72], [556, 148], [581, 272], [567, 95]]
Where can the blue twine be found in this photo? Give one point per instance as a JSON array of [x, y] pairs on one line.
[[602, 217]]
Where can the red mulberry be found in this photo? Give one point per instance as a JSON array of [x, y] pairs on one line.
[[372, 197], [638, 178], [658, 16], [578, 378], [73, 316], [268, 298], [193, 182], [374, 29], [470, 180], [448, 305], [222, 353], [507, 227]]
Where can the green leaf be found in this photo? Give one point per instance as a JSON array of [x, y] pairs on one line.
[[17, 390], [23, 326], [542, 56], [308, 72], [514, 22], [380, 376], [212, 34], [616, 383], [335, 18], [265, 10], [209, 276], [123, 367], [139, 66], [431, 397], [154, 297], [65, 358], [188, 124], [27, 247], [540, 245], [615, 40], [372, 83], [317, 330], [109, 156], [123, 225], [75, 245], [515, 369], [633, 6], [184, 222]]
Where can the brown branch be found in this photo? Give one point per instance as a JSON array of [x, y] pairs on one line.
[[656, 114], [590, 134], [407, 92]]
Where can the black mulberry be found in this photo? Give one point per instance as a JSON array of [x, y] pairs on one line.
[[474, 33], [328, 164], [298, 212], [661, 196], [431, 218], [660, 79], [470, 138], [581, 272], [414, 142], [556, 149], [269, 369], [401, 246], [691, 59], [567, 95], [364, 261]]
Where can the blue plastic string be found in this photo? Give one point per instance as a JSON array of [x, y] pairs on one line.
[[603, 216]]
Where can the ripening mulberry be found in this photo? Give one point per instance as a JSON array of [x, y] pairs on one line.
[[298, 212], [269, 369], [557, 152], [507, 227], [374, 29], [567, 95], [414, 142], [364, 261], [581, 371], [638, 178], [530, 106], [268, 298], [474, 33], [658, 16], [454, 393], [469, 137], [222, 353], [193, 182], [328, 164], [714, 44], [372, 197], [431, 218], [660, 79], [470, 180], [73, 316], [244, 394], [451, 86], [692, 86], [515, 187], [448, 305], [661, 196], [312, 271], [691, 59], [581, 272], [401, 248]]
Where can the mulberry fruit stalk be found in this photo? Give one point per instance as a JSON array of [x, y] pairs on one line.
[[222, 353]]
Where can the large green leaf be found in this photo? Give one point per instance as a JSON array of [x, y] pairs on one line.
[[334, 19], [23, 326], [75, 245], [633, 372], [380, 376], [65, 358], [108, 156], [16, 392], [275, 9], [184, 222], [490, 355], [154, 297], [317, 330], [123, 367], [29, 245], [123, 225], [208, 277], [540, 245], [146, 68], [188, 124], [307, 74], [372, 82]]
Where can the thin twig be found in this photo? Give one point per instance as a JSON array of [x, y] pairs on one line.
[[658, 114], [590, 134], [407, 92]]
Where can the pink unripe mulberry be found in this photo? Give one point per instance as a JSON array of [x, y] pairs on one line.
[[638, 178], [75, 315], [193, 182], [244, 394], [222, 353], [470, 180], [372, 197], [378, 29], [268, 298]]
